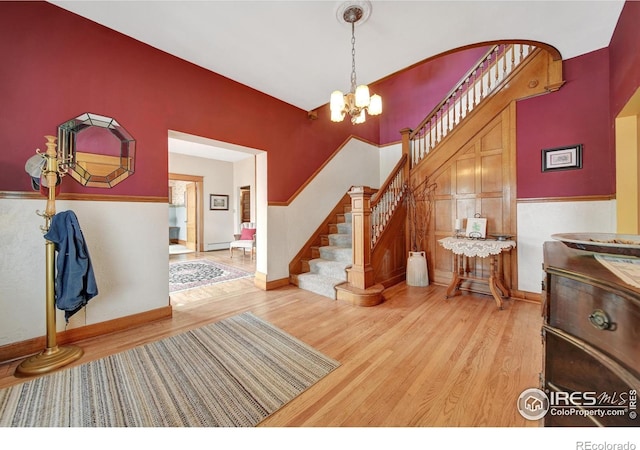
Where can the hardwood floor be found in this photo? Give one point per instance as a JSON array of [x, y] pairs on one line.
[[416, 360]]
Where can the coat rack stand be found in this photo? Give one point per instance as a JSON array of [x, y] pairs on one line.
[[53, 356]]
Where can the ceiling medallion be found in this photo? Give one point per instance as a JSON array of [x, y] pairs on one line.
[[363, 8]]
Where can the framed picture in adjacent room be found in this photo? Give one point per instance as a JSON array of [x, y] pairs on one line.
[[562, 158], [218, 202]]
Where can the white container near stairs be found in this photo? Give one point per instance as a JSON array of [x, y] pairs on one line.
[[417, 270]]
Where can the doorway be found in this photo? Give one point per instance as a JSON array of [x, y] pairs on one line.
[[245, 204], [231, 167], [185, 211]]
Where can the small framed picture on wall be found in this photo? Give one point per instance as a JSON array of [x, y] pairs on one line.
[[218, 202], [562, 158]]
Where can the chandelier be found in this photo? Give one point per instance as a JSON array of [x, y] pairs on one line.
[[357, 100]]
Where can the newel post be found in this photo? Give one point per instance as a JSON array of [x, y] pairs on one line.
[[360, 275]]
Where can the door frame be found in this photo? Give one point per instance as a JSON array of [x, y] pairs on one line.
[[198, 180]]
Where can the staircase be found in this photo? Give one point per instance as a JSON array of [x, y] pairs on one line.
[[380, 237], [327, 267]]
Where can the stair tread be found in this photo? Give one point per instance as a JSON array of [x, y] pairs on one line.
[[334, 253], [329, 261], [317, 276], [339, 240], [319, 284], [329, 268], [334, 247]]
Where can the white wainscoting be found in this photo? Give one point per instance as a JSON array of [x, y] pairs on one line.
[[128, 247], [538, 221]]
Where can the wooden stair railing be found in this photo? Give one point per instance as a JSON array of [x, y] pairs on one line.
[[475, 86], [371, 212], [386, 200]]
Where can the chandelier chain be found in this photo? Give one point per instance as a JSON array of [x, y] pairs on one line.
[[353, 57]]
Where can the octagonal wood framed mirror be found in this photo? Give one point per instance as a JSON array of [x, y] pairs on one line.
[[101, 151]]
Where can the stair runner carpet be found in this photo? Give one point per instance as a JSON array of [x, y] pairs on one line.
[[329, 270]]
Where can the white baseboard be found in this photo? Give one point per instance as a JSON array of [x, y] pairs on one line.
[[216, 246]]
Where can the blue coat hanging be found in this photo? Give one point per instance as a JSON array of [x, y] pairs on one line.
[[75, 282]]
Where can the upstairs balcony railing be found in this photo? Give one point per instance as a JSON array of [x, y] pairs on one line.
[[477, 85]]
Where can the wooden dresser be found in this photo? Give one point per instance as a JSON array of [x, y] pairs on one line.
[[591, 338]]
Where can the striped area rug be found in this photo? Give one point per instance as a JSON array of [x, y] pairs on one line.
[[232, 373]]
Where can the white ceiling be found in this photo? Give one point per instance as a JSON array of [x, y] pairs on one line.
[[299, 52]]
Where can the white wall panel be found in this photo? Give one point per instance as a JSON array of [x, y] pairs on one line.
[[128, 247], [538, 221]]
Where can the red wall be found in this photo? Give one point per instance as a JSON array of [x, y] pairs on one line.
[[56, 65], [410, 95], [576, 114]]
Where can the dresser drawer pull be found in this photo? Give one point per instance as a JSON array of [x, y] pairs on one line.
[[599, 319]]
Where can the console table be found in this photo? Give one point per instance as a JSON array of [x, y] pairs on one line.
[[465, 248]]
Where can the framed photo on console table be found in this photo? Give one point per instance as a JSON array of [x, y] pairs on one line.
[[218, 202], [476, 227], [562, 158]]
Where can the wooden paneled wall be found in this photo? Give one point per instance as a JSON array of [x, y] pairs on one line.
[[389, 258], [479, 179], [475, 169]]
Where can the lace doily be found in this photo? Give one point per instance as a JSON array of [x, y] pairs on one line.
[[475, 247]]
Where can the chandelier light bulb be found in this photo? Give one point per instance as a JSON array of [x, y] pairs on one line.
[[375, 105], [337, 116], [362, 96], [337, 101]]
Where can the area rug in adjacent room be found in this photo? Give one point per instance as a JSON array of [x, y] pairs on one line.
[[185, 275], [232, 373]]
